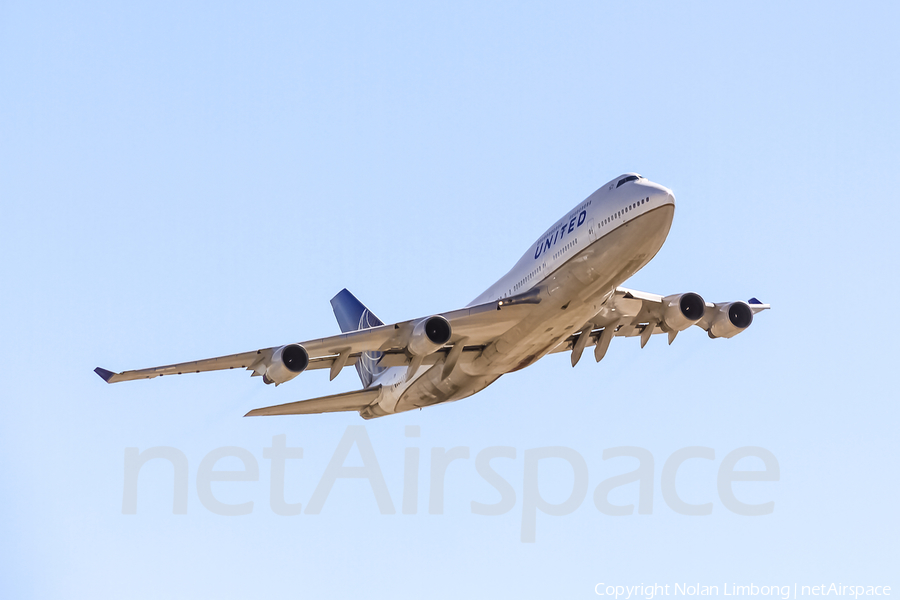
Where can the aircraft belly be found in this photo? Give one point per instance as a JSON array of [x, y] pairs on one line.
[[575, 293], [576, 290], [431, 389]]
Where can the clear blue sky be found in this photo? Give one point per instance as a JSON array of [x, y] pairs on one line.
[[180, 180]]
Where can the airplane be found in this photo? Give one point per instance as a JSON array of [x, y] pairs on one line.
[[563, 295]]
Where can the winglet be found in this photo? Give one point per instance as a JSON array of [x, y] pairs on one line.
[[106, 375], [757, 306]]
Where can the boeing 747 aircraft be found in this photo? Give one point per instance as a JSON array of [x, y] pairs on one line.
[[563, 295]]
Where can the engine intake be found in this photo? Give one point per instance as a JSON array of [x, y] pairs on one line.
[[683, 310], [730, 320], [429, 335], [287, 362]]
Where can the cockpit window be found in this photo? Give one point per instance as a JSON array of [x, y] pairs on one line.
[[627, 179]]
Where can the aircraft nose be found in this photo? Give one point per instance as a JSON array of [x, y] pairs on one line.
[[663, 195]]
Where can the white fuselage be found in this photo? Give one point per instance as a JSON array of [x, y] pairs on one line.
[[574, 267]]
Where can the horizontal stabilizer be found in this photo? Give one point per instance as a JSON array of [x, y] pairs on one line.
[[337, 403]]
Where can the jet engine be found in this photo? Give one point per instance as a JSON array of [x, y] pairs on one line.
[[730, 320], [683, 310], [287, 362], [429, 335]]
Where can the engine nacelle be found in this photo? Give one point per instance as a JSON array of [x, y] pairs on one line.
[[287, 362], [730, 320], [683, 310], [429, 335]]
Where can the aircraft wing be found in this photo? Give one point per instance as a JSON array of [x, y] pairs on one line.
[[473, 327], [642, 309], [631, 313]]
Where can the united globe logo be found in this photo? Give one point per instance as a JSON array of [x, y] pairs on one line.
[[367, 365]]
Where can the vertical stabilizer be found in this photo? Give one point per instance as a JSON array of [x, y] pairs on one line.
[[352, 315]]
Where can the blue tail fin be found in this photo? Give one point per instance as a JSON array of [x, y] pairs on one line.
[[352, 315]]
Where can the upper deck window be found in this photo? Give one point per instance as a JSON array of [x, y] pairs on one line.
[[627, 179]]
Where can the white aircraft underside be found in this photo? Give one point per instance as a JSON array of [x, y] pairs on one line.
[[563, 295]]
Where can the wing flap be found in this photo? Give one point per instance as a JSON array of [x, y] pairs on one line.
[[349, 401]]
